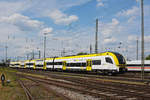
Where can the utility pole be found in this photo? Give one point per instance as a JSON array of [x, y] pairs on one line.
[[44, 49], [27, 56], [137, 49], [39, 54], [90, 48], [63, 52], [96, 37], [142, 38], [32, 54], [44, 44], [6, 47]]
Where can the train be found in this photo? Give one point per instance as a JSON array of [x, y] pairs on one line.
[[135, 65], [107, 62]]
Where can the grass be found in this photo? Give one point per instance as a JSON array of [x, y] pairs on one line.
[[12, 90]]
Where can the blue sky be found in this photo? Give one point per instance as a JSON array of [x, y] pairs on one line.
[[70, 25]]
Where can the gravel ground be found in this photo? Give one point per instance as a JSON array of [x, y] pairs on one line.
[[71, 94]]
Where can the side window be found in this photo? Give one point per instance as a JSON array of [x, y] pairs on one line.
[[68, 64], [96, 62], [77, 64], [49, 63], [64, 63], [108, 60], [83, 64]]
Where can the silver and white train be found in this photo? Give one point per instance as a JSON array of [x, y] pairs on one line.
[[135, 65]]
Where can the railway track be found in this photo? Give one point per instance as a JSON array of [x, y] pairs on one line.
[[72, 87], [31, 96], [123, 77], [122, 89], [97, 88], [26, 90]]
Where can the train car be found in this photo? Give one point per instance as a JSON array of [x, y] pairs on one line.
[[12, 64], [15, 64], [22, 65], [136, 65], [39, 64], [30, 64], [108, 62], [49, 63], [56, 64]]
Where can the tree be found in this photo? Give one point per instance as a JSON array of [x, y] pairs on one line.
[[148, 57]]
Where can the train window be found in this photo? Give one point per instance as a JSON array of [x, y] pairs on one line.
[[29, 63], [96, 62], [39, 65], [68, 64], [90, 63], [49, 63], [55, 63], [78, 64], [72, 64], [120, 58], [83, 64], [59, 63], [108, 60]]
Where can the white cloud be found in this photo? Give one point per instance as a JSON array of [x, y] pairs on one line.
[[9, 8], [61, 18], [40, 8], [47, 30], [114, 22], [137, 0], [70, 3], [132, 38], [109, 40], [133, 13], [24, 23], [147, 38], [130, 12], [100, 3], [110, 28], [131, 19], [13, 22], [110, 32]]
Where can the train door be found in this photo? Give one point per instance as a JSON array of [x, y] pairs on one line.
[[34, 65], [20, 65], [24, 65], [64, 65], [44, 65], [89, 65]]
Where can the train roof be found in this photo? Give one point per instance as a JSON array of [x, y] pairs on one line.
[[138, 62], [77, 56], [81, 56]]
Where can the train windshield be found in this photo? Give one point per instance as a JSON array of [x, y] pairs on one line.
[[120, 58]]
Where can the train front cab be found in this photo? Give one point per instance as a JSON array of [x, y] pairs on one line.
[[113, 63], [120, 62]]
